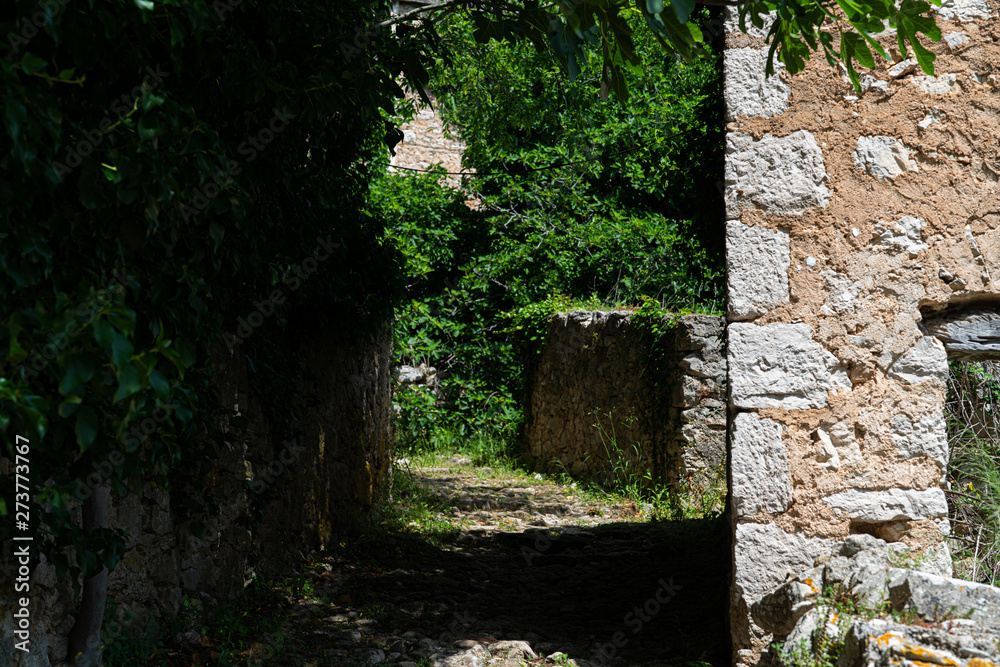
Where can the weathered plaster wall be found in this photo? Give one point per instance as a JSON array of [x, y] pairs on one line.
[[329, 480], [595, 366], [849, 219], [426, 142]]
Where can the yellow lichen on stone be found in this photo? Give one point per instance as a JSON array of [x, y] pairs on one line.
[[888, 639], [980, 662], [923, 656]]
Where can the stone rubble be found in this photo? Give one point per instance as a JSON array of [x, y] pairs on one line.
[[954, 623]]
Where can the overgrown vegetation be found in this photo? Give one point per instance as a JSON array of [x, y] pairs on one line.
[[974, 469], [151, 202], [245, 630], [581, 203], [629, 474]]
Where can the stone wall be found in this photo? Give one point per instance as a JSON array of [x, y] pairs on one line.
[[850, 219], [277, 500], [426, 141], [595, 366]]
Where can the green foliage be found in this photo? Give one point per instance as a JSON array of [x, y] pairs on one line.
[[974, 469], [249, 625], [600, 38], [596, 182], [702, 500], [530, 323], [163, 169], [548, 234], [836, 608], [129, 641], [845, 33], [626, 474], [597, 36]]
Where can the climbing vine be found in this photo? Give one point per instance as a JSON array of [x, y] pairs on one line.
[[154, 201]]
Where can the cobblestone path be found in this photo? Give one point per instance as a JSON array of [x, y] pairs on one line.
[[507, 569]]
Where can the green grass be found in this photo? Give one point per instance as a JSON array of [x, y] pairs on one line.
[[974, 469], [415, 510], [490, 452]]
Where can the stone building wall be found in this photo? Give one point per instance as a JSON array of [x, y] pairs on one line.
[[426, 141], [851, 220], [594, 366], [277, 500]]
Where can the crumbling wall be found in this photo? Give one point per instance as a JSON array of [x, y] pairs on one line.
[[850, 219], [595, 367], [276, 499], [426, 142]]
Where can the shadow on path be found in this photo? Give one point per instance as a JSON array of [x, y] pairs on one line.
[[622, 593]]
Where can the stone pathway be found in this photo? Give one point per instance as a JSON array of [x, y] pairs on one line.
[[521, 570]]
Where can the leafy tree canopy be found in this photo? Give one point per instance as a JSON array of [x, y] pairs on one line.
[[843, 29], [606, 201]]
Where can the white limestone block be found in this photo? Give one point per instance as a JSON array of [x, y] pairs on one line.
[[837, 446], [781, 366], [926, 361], [782, 175], [902, 236], [757, 260], [890, 505], [955, 39], [842, 293], [762, 476], [732, 22], [748, 92], [928, 435], [946, 84], [902, 68], [963, 10], [883, 157], [765, 555]]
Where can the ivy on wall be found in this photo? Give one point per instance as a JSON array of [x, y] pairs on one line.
[[166, 172]]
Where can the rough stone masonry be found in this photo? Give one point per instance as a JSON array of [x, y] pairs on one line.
[[593, 369], [853, 221]]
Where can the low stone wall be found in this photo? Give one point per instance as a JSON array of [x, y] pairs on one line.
[[594, 369], [277, 500]]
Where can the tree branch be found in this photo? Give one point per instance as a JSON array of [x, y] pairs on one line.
[[453, 3], [420, 10], [724, 3]]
